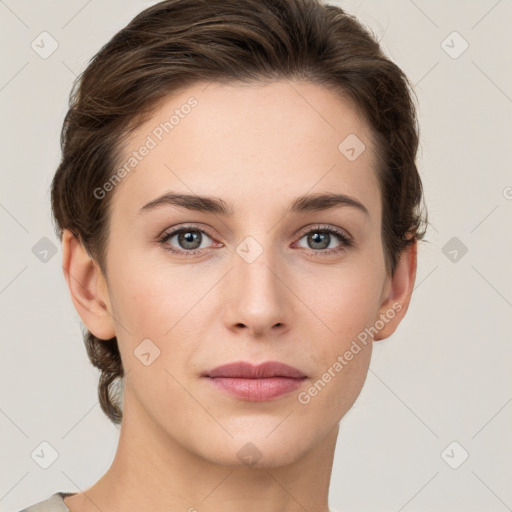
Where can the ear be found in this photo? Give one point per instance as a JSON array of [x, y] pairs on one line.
[[88, 287], [397, 293]]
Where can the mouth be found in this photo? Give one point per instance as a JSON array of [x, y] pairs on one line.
[[256, 383]]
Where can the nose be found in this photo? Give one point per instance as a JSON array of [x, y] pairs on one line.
[[258, 298]]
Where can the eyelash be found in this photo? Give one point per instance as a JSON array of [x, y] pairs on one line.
[[345, 240]]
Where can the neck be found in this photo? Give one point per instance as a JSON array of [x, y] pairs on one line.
[[153, 471]]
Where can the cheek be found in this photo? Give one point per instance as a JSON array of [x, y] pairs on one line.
[[151, 299], [344, 300], [165, 305], [155, 300], [346, 305], [342, 354], [334, 389]]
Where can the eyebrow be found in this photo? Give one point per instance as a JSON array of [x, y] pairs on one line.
[[302, 204]]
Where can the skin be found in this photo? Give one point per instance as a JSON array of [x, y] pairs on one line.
[[258, 147]]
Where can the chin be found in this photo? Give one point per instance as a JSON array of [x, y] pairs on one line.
[[257, 451]]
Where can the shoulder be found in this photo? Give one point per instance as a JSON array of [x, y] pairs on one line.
[[54, 503]]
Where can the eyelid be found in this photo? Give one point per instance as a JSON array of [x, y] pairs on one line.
[[192, 227], [346, 241], [327, 227], [345, 238], [171, 232]]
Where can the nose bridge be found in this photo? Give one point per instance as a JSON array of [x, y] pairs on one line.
[[257, 295]]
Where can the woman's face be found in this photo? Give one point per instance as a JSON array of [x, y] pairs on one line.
[[262, 281]]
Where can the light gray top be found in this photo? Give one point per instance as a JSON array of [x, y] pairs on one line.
[[54, 503]]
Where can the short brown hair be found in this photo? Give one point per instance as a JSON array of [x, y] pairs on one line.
[[176, 43]]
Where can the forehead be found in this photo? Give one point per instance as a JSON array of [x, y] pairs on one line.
[[250, 144]]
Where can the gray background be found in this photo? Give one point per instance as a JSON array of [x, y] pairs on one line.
[[443, 377]]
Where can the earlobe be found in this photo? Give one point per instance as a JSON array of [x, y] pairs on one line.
[[87, 287], [398, 293]]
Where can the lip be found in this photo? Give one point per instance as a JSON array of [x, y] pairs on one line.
[[246, 370], [256, 383]]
